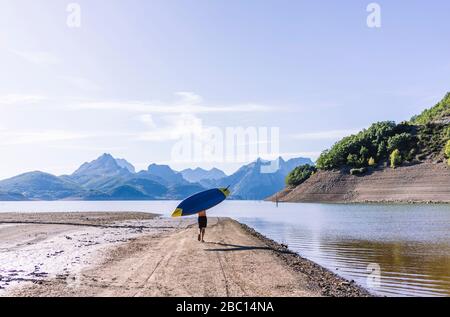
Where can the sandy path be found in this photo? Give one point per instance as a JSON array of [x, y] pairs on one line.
[[38, 247], [230, 263]]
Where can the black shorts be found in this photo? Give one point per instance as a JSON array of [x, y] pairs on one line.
[[202, 222]]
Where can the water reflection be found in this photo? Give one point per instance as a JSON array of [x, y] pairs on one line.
[[411, 268]]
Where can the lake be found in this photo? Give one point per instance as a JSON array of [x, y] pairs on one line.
[[393, 250]]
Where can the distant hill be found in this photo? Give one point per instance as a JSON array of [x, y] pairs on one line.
[[199, 174], [251, 183], [6, 196], [127, 192], [103, 172], [289, 165], [150, 188], [41, 186], [181, 191], [166, 173]]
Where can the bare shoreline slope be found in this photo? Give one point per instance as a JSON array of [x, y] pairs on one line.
[[420, 183], [142, 256]]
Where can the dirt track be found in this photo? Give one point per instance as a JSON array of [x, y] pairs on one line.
[[135, 254], [230, 263]]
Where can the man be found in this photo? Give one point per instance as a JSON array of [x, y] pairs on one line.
[[202, 224]]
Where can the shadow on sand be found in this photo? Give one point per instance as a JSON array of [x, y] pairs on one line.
[[234, 247]]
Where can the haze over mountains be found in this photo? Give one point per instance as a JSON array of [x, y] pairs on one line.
[[199, 174], [108, 178]]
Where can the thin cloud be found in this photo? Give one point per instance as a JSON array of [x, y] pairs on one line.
[[83, 83], [167, 108], [14, 99], [325, 135], [33, 137], [189, 97], [147, 119], [187, 102], [38, 57], [174, 128]]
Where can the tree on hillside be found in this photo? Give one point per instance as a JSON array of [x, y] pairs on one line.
[[299, 175], [447, 151], [355, 150], [396, 158], [401, 141], [353, 160]]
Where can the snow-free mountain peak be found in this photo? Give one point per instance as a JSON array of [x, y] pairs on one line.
[[199, 174]]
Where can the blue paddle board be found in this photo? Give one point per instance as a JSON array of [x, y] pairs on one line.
[[201, 201]]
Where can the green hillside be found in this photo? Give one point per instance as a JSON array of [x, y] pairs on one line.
[[386, 143], [438, 112]]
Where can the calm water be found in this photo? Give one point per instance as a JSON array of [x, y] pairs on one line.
[[409, 245]]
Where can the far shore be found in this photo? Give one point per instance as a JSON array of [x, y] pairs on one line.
[[425, 183], [142, 254]]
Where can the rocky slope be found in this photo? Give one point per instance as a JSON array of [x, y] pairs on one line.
[[425, 182]]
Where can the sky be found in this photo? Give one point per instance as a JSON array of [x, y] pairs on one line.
[[133, 78]]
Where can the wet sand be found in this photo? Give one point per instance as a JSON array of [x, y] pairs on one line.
[[134, 254]]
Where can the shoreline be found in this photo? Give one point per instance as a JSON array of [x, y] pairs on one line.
[[145, 255], [330, 283], [368, 202], [424, 183]]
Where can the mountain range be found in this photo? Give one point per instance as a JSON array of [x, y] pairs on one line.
[[109, 178]]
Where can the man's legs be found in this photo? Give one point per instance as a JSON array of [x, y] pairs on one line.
[[199, 234], [203, 234]]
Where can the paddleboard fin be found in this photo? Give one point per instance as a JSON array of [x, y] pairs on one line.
[[177, 213], [225, 191]]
